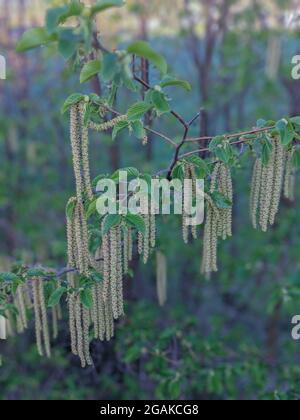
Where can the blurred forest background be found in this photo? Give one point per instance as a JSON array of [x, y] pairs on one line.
[[227, 338]]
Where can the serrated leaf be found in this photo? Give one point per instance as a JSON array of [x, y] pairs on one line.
[[160, 102], [52, 17], [289, 135], [295, 120], [178, 172], [220, 200], [109, 66], [102, 5], [136, 111], [296, 159], [110, 221], [91, 209], [131, 172], [56, 296], [136, 221], [75, 9], [169, 81], [86, 298], [89, 70], [200, 164], [67, 42], [143, 49], [281, 126], [138, 129], [261, 123], [9, 277], [34, 38], [73, 99], [70, 209], [266, 151], [120, 126]]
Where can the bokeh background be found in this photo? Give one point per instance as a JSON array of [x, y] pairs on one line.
[[226, 338]]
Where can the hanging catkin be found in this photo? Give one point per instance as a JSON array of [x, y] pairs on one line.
[[120, 272], [72, 313], [79, 332], [114, 271], [161, 278], [289, 177], [255, 191], [41, 319], [22, 322], [266, 187], [45, 327], [146, 239], [210, 240], [37, 315], [130, 245], [106, 264], [79, 143]]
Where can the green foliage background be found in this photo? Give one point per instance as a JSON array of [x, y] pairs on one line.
[[227, 338]]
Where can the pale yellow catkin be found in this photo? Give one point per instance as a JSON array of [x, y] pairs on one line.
[[45, 326], [106, 264], [114, 271], [226, 189], [146, 239], [266, 192], [54, 323], [81, 234], [79, 331], [120, 272], [37, 315], [107, 125], [72, 313], [289, 177], [125, 238], [130, 245], [210, 238], [76, 149], [22, 323], [193, 177], [85, 154], [95, 311], [255, 191], [161, 278], [279, 162], [86, 335]]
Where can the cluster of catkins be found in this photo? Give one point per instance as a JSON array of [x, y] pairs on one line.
[[28, 296], [218, 222], [112, 258], [269, 180]]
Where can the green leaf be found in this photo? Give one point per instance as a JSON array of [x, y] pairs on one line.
[[136, 111], [120, 126], [70, 209], [281, 126], [220, 200], [138, 129], [9, 277], [67, 42], [136, 221], [91, 209], [86, 298], [178, 171], [296, 158], [75, 9], [266, 151], [132, 354], [174, 389], [261, 123], [289, 134], [131, 172], [169, 81], [109, 67], [160, 102], [52, 17], [73, 99], [295, 120], [200, 164], [34, 38], [89, 70], [143, 49], [110, 221], [102, 5], [56, 296]]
